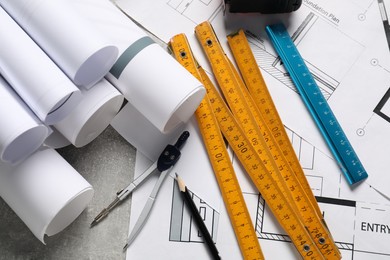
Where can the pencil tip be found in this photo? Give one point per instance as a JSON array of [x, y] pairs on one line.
[[180, 183]]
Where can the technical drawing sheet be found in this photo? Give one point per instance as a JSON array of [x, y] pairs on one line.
[[345, 46]]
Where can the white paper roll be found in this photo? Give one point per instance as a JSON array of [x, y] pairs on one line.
[[21, 133], [56, 140], [99, 106], [33, 75], [149, 78], [69, 39], [141, 133], [45, 192]]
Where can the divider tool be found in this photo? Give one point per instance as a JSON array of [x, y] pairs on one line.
[[316, 103], [167, 159]]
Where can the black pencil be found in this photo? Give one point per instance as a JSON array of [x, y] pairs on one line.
[[198, 219]]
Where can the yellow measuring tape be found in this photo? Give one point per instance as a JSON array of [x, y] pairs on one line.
[[273, 175], [222, 166]]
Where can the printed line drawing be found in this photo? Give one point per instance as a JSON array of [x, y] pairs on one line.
[[383, 107], [186, 8], [312, 30], [333, 55], [183, 228]]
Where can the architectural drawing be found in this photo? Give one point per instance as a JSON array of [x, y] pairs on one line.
[[187, 7], [340, 48], [383, 107], [183, 227], [312, 30]]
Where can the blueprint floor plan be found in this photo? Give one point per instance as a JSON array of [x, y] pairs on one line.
[[345, 44]]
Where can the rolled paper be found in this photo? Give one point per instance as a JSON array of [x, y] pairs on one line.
[[149, 78], [48, 92], [56, 140], [99, 106], [21, 133], [69, 39], [45, 192], [141, 133]]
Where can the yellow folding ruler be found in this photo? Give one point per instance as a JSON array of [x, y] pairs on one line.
[[296, 182], [269, 158], [219, 158], [255, 83]]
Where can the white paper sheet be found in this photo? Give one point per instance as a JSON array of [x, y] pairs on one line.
[[45, 192], [345, 46], [98, 107], [69, 39], [21, 133], [149, 78], [141, 133], [359, 224], [345, 58], [33, 75]]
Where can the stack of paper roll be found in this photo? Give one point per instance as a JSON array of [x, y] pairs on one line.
[[52, 83], [162, 95], [65, 69]]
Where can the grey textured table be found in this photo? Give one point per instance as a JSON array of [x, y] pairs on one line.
[[107, 164]]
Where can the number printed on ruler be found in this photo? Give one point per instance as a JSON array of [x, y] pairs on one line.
[[219, 158], [258, 90], [317, 104], [304, 199], [271, 186]]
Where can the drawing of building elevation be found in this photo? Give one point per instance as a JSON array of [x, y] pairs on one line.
[[328, 53], [190, 9], [183, 228], [267, 228]]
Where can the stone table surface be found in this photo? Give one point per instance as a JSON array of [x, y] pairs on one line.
[[107, 164]]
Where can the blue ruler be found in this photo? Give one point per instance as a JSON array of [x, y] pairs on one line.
[[317, 105]]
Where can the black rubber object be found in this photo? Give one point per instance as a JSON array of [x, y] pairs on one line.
[[263, 6]]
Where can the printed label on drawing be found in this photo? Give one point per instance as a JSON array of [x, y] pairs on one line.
[[375, 227]]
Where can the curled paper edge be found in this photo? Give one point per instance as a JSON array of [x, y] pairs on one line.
[[46, 201], [83, 198]]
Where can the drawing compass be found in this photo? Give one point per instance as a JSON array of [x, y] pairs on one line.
[[167, 159]]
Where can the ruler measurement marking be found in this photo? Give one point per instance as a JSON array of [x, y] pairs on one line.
[[276, 197], [220, 161], [256, 85], [304, 204], [317, 105]]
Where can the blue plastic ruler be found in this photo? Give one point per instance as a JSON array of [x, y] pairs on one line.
[[316, 103]]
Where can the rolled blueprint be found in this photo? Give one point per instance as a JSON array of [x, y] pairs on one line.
[[149, 78], [99, 106], [69, 39], [45, 192], [21, 133], [32, 74]]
